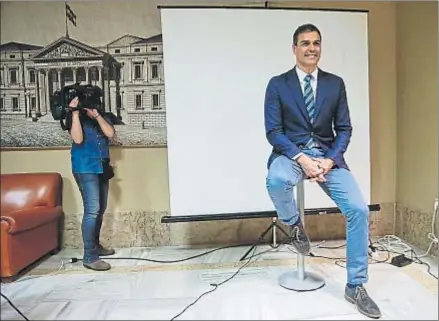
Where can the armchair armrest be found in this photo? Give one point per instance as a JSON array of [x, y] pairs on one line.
[[27, 219]]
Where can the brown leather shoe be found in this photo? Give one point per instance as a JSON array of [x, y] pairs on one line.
[[102, 251], [98, 265]]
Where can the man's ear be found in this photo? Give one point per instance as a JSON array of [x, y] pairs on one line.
[[294, 47]]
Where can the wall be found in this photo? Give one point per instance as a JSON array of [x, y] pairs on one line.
[[417, 80], [139, 194]]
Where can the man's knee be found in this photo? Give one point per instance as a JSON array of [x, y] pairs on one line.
[[357, 210], [278, 183]]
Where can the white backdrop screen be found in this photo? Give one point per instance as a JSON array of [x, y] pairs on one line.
[[217, 63]]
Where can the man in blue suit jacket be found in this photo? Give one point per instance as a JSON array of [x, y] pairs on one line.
[[303, 108]]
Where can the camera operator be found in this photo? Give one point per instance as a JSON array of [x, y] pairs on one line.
[[91, 133]]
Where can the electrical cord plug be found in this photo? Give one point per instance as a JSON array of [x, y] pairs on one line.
[[372, 251]]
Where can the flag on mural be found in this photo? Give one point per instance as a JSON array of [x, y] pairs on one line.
[[70, 15]]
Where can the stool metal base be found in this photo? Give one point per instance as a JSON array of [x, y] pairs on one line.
[[293, 281]]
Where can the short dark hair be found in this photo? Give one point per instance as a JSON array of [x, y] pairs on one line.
[[305, 28]]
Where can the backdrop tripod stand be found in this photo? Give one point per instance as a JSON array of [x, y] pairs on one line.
[[273, 226]]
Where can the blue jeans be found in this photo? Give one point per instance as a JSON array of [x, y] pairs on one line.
[[341, 187], [94, 192]]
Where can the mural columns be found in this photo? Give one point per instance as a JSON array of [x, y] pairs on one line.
[[59, 77], [121, 72], [107, 89], [130, 73], [145, 75], [38, 93], [47, 89], [28, 103], [20, 81], [74, 74], [102, 84], [87, 81], [6, 76], [101, 78]]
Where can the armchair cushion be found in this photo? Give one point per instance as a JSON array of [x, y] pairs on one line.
[[22, 220]]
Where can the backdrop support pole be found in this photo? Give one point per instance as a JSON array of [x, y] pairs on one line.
[[301, 280], [274, 231]]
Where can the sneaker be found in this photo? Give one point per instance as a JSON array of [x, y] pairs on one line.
[[299, 239], [98, 265], [102, 251], [362, 300]]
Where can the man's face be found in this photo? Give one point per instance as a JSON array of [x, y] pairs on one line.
[[308, 49]]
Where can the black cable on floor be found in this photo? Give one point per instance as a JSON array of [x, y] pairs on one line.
[[15, 308], [74, 259], [374, 247], [419, 261], [216, 285], [414, 257], [342, 245], [331, 247]]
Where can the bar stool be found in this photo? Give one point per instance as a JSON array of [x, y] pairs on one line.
[[299, 279]]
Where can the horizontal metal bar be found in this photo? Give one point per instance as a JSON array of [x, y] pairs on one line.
[[250, 215], [244, 6]]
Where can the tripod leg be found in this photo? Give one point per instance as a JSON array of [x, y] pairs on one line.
[[281, 228], [283, 231], [275, 226], [261, 238]]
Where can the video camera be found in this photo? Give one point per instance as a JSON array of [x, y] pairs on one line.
[[89, 97]]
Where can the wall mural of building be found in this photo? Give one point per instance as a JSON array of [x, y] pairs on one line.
[[129, 70]]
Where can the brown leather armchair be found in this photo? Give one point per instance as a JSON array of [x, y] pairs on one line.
[[31, 209]]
